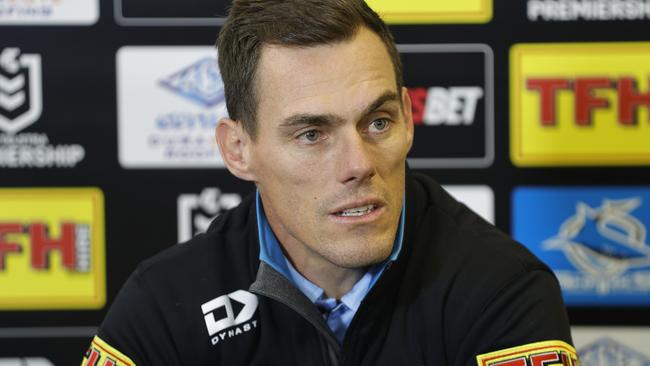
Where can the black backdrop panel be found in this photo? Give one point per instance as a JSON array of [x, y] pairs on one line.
[[43, 351], [451, 93]]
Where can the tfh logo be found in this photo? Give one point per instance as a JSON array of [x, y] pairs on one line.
[[20, 90], [238, 323], [556, 353], [73, 243], [629, 98]]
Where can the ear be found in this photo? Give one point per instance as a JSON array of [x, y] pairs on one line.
[[408, 115], [234, 145]]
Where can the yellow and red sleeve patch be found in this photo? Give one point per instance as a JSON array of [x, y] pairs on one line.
[[101, 353], [549, 353]]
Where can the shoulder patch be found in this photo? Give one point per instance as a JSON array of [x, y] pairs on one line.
[[101, 353], [548, 353]]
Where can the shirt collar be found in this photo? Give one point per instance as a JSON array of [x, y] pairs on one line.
[[271, 253]]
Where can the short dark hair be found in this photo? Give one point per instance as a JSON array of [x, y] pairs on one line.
[[251, 24]]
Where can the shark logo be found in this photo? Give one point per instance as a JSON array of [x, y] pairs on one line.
[[20, 90], [607, 352], [605, 241]]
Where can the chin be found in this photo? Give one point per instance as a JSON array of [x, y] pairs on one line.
[[359, 256]]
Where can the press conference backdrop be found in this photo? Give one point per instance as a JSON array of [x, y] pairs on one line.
[[536, 113]]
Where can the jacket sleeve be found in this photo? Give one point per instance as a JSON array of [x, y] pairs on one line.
[[524, 323], [134, 331]]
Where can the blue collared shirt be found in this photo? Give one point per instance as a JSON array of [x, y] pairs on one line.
[[337, 314]]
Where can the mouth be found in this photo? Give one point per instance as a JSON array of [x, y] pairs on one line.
[[357, 211]]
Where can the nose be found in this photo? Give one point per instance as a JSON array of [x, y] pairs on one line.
[[356, 160]]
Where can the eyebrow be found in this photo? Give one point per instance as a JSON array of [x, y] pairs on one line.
[[328, 119], [388, 96]]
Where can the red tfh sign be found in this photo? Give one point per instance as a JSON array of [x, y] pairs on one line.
[[41, 244], [540, 359], [6, 247], [93, 357], [585, 102]]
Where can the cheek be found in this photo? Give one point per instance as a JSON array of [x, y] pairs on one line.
[[300, 173], [392, 156], [292, 176], [295, 183]]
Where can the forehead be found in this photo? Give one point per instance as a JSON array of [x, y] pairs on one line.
[[344, 76]]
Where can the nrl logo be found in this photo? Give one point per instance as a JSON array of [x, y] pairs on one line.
[[604, 241], [20, 90]]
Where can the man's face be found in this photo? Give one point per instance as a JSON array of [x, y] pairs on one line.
[[329, 156]]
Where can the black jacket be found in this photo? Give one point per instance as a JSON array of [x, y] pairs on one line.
[[459, 288]]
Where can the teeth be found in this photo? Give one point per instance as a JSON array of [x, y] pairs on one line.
[[357, 211]]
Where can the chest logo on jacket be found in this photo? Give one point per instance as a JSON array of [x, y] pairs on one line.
[[235, 310]]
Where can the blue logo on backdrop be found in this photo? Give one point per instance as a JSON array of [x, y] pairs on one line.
[[187, 132], [200, 82], [594, 239], [605, 351]]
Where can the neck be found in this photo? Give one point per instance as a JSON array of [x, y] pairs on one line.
[[334, 280]]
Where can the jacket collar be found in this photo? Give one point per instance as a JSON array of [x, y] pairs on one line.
[[377, 303], [272, 284]]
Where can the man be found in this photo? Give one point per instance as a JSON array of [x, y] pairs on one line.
[[342, 257]]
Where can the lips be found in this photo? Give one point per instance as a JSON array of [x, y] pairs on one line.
[[358, 208], [357, 211]]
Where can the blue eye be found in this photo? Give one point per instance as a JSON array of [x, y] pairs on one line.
[[311, 135], [380, 124]]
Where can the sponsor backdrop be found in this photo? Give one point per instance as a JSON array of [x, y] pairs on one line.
[[535, 113], [612, 345]]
